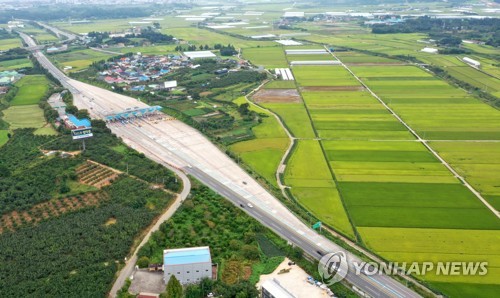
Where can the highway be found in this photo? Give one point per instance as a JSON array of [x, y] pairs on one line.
[[162, 138]]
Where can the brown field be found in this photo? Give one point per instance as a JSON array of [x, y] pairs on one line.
[[277, 96]]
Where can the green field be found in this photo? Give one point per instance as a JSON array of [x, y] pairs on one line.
[[439, 245], [311, 182], [322, 57], [24, 116], [6, 44], [479, 163], [79, 59], [3, 137], [31, 90], [323, 76], [356, 57], [263, 153], [450, 113], [15, 64], [295, 117], [270, 57], [280, 85]]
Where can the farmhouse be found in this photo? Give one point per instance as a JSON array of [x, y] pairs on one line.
[[189, 265]]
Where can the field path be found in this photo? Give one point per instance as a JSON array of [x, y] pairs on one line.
[[281, 166], [128, 270], [424, 142]]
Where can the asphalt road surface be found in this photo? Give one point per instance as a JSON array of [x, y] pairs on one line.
[[171, 141]]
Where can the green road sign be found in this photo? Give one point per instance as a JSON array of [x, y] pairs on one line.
[[317, 225]]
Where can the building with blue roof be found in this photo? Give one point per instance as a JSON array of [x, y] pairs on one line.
[[79, 122], [189, 265]]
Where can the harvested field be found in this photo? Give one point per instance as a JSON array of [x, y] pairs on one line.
[[333, 88], [277, 96]]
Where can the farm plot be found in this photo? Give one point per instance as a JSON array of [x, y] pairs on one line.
[[415, 205], [450, 113], [476, 78], [26, 116], [479, 163], [442, 245], [356, 58], [379, 161], [321, 57], [295, 117], [31, 90], [270, 57], [311, 182], [323, 76], [10, 43], [15, 64], [79, 59], [277, 96], [352, 115], [264, 153]]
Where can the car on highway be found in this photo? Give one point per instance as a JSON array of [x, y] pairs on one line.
[[242, 206], [249, 205]]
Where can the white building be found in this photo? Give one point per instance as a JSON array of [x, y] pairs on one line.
[[199, 54], [472, 62], [273, 289], [169, 85], [430, 50], [189, 265]]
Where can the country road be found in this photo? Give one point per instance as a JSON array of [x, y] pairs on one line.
[[128, 270]]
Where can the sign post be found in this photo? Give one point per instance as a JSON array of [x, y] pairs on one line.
[[82, 134], [317, 226]]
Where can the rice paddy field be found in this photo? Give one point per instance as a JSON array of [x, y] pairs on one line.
[[31, 89], [15, 64], [270, 57], [312, 184], [295, 117], [323, 76], [478, 162], [6, 44], [263, 153], [403, 202], [450, 113], [79, 59]]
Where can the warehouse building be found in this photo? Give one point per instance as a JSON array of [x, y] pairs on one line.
[[189, 265], [273, 289]]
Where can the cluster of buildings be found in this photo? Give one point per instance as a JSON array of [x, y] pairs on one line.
[[137, 71], [9, 77]]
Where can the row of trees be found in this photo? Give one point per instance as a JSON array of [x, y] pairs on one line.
[[228, 50], [448, 31]]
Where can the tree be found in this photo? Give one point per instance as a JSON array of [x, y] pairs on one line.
[[250, 252], [143, 262], [174, 288]]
